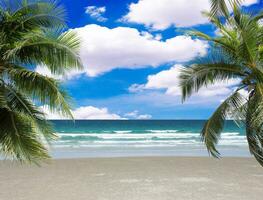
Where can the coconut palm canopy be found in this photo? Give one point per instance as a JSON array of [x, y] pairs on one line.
[[236, 53], [32, 33]]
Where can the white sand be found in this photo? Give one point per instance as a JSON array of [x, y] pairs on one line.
[[145, 178]]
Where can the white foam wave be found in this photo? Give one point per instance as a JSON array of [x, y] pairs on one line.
[[147, 136], [122, 131], [129, 143], [130, 135], [241, 137], [144, 142], [162, 131], [150, 139], [230, 133]]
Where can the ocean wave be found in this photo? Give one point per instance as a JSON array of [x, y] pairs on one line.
[[126, 135], [146, 143], [128, 131], [162, 131], [126, 143], [123, 138], [241, 137], [230, 133]]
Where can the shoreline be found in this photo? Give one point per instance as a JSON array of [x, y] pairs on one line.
[[122, 152], [133, 178]]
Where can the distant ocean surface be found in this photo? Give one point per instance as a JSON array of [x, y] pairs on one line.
[[116, 138]]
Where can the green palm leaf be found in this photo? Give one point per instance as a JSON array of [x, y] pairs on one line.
[[59, 52], [19, 138], [206, 72], [33, 14], [19, 103], [32, 34], [228, 42], [44, 89], [215, 124], [254, 123], [219, 7], [240, 49]]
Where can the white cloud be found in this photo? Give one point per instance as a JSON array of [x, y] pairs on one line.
[[166, 79], [249, 2], [132, 114], [135, 115], [136, 88], [96, 13], [169, 81], [104, 49], [144, 117], [91, 112], [161, 14], [85, 112]]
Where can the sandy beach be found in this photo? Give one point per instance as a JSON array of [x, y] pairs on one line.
[[142, 178]]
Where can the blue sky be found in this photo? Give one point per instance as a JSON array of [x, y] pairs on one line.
[[132, 51]]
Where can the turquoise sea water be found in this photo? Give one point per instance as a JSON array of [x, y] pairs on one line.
[[103, 138]]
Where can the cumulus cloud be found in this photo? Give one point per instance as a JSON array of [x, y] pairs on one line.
[[104, 49], [135, 115], [96, 13], [168, 80], [249, 2], [146, 116], [85, 112], [136, 88], [161, 14]]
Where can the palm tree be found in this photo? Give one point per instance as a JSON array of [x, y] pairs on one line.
[[220, 7], [236, 52], [32, 33]]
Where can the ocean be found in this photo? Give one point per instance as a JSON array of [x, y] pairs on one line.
[[117, 138]]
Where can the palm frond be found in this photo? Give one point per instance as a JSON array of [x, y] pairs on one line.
[[223, 43], [240, 41], [44, 89], [248, 35], [3, 102], [19, 138], [32, 33], [211, 132], [254, 123], [19, 103], [258, 16], [31, 14], [220, 7], [59, 52], [206, 72]]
